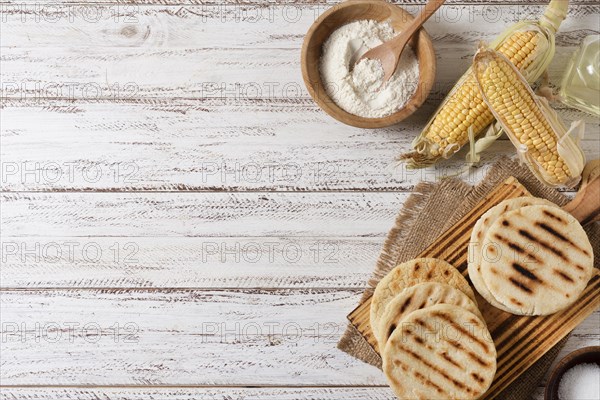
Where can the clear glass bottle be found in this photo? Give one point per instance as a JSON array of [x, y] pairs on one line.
[[580, 87]]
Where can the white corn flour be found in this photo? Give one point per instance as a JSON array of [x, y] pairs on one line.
[[360, 92]]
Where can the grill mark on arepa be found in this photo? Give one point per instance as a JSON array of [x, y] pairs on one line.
[[560, 236], [456, 345], [406, 303], [544, 244], [441, 251], [553, 216], [391, 330], [446, 357], [400, 364], [460, 329], [526, 273], [516, 302], [563, 275], [520, 285], [443, 373], [477, 377], [529, 327], [422, 323], [472, 355], [570, 312], [418, 339], [429, 291], [516, 247], [428, 381]]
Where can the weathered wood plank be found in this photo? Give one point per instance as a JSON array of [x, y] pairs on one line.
[[200, 262], [172, 337], [326, 393], [257, 26], [166, 337], [199, 214], [173, 164], [279, 2], [184, 145], [186, 393], [195, 73], [189, 145], [189, 52]]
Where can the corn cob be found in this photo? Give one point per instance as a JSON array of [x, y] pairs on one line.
[[539, 135], [529, 45]]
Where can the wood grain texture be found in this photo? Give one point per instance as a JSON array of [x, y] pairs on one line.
[[281, 147], [235, 337], [116, 87], [182, 393], [97, 73], [326, 3], [178, 337], [158, 145], [192, 54], [199, 214], [199, 262], [257, 26]]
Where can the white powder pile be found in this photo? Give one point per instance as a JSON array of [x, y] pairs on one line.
[[582, 382], [360, 91]]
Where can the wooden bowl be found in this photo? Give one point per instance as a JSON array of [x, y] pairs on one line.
[[343, 14], [587, 355]]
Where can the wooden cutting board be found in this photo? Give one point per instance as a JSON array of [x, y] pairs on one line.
[[520, 341]]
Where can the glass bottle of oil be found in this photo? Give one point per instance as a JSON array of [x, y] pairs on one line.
[[581, 84]]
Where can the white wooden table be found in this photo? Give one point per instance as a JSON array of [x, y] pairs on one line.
[[179, 220]]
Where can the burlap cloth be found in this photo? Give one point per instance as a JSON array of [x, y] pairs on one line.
[[431, 210]]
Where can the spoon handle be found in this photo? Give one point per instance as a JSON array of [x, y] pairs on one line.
[[430, 8], [586, 204]]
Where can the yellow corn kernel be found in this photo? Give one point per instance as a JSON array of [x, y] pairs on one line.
[[463, 115], [465, 107], [514, 99]]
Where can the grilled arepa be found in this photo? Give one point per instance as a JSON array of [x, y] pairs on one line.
[[476, 249], [440, 352], [539, 260], [409, 274], [418, 297]]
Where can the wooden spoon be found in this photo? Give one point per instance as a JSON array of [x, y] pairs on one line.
[[389, 52], [586, 204]]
